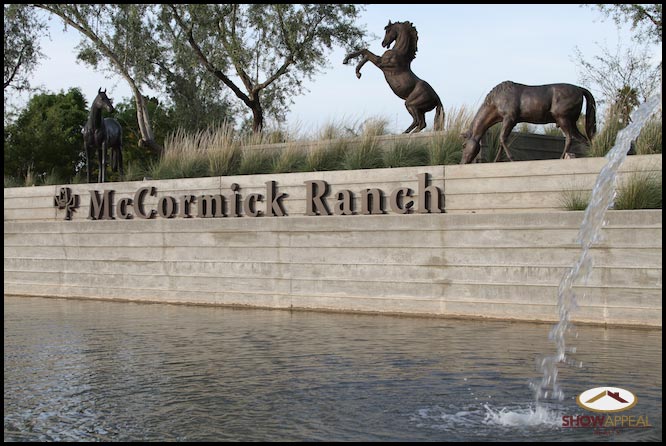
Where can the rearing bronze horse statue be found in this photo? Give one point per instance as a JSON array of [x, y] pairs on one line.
[[395, 63]]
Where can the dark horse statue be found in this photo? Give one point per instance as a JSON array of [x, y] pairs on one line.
[[395, 63], [511, 103], [101, 134]]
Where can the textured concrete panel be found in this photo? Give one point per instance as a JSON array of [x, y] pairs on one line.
[[499, 251]]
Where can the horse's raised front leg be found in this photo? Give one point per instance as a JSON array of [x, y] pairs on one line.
[[367, 56], [353, 55], [360, 65]]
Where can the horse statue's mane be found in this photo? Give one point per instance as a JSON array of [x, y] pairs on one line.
[[499, 89], [413, 38]]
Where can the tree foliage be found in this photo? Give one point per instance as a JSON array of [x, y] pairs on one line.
[[625, 77], [46, 137], [200, 56], [21, 44], [196, 98], [645, 19], [262, 52]]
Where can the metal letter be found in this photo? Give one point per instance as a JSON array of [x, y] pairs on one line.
[[314, 204], [138, 202]]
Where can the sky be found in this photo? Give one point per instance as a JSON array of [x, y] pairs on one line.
[[463, 52]]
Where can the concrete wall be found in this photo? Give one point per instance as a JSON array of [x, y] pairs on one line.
[[465, 263], [525, 186]]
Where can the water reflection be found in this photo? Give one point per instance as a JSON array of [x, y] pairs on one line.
[[99, 371]]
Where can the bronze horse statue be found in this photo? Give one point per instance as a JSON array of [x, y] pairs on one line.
[[102, 133], [511, 103], [395, 63]]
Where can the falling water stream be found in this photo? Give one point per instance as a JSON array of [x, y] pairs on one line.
[[603, 195]]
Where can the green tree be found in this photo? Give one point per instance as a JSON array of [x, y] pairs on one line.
[[195, 97], [22, 50], [626, 101], [269, 48], [118, 38], [46, 137], [645, 19]]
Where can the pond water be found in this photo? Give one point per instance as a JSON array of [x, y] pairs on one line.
[[84, 370]]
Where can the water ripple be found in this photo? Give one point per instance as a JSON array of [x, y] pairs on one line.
[[104, 371]]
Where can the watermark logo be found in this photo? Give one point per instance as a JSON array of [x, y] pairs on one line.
[[607, 399]]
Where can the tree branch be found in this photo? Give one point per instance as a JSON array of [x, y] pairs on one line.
[[204, 60]]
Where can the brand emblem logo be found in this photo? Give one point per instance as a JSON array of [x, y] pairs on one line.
[[607, 399]]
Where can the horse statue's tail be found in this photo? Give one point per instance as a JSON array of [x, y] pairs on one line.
[[590, 114], [439, 116]]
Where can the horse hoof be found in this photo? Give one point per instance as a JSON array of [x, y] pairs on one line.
[[358, 75]]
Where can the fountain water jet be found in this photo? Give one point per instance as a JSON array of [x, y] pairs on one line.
[[602, 198]]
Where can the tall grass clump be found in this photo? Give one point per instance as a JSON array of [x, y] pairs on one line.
[[407, 154], [134, 172], [80, 178], [458, 119], [290, 159], [12, 182], [209, 152], [446, 146], [375, 127], [640, 190], [183, 157], [575, 199], [222, 148], [367, 155], [257, 161], [605, 139], [52, 178], [326, 157], [337, 130], [649, 140]]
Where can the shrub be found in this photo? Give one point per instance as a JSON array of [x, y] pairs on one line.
[[575, 199], [291, 159], [367, 155], [328, 157], [407, 154], [12, 182], [605, 139], [445, 148], [257, 161], [640, 190], [649, 140]]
